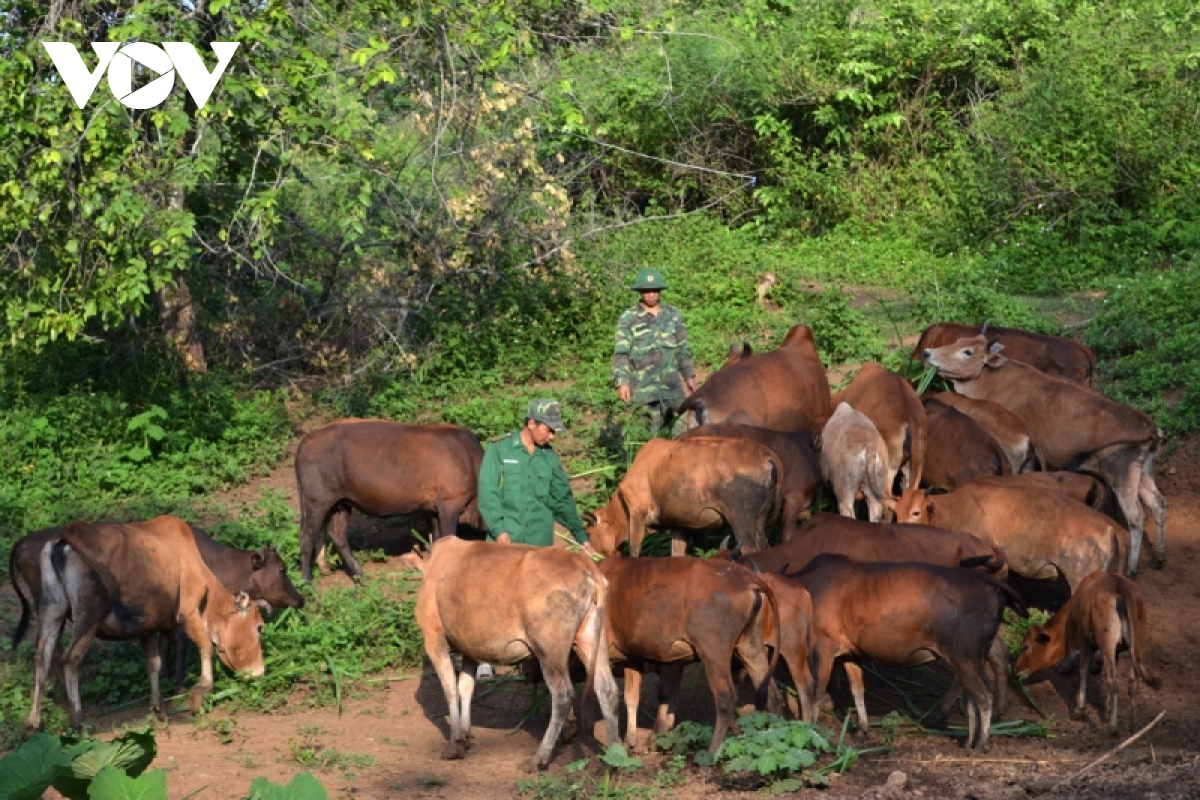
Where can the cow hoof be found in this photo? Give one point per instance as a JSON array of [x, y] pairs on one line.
[[1079, 714], [453, 751], [530, 765], [1157, 562]]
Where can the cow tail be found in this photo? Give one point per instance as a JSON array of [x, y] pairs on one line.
[[14, 576], [1135, 614], [128, 617], [599, 655], [1011, 598], [761, 692]]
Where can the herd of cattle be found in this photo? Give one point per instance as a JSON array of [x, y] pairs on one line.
[[1023, 468]]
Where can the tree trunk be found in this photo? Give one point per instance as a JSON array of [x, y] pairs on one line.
[[179, 323]]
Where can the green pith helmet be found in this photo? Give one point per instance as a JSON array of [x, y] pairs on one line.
[[649, 279]]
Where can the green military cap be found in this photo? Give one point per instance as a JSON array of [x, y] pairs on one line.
[[649, 279], [547, 411]]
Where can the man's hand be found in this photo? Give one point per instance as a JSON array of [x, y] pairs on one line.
[[587, 548], [504, 538], [624, 393], [691, 384]]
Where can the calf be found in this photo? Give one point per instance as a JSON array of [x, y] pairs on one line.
[[678, 610], [854, 458], [1052, 355], [891, 404], [904, 615], [383, 468], [131, 581], [1045, 535], [799, 467], [957, 449], [504, 603], [1075, 428], [1107, 614], [1008, 428], [696, 484]]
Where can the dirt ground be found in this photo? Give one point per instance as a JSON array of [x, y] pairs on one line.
[[386, 741]]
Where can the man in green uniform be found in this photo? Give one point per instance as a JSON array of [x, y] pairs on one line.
[[523, 488], [652, 352]]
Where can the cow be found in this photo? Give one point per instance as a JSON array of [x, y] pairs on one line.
[[503, 604], [957, 449], [1107, 614], [383, 468], [854, 459], [891, 403], [696, 484], [130, 581], [784, 390], [1075, 428], [261, 574], [799, 467], [903, 615], [1008, 428], [675, 611], [1052, 355], [1045, 535], [1079, 486]]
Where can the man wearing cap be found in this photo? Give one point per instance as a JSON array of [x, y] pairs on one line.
[[523, 488], [652, 352]]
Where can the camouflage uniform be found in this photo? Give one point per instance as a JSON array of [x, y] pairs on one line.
[[651, 355]]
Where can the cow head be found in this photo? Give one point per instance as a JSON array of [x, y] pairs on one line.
[[269, 580], [965, 359], [1040, 650], [608, 527], [236, 632], [914, 507], [418, 559]]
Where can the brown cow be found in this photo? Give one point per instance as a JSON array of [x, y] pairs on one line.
[[676, 611], [1106, 614], [799, 467], [904, 615], [505, 603], [260, 574], [892, 404], [1075, 428], [854, 459], [383, 468], [131, 581], [785, 389], [1053, 355], [1079, 486], [1008, 428], [1044, 534], [698, 484], [957, 449]]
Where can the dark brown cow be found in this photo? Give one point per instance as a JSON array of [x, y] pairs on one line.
[[131, 581], [384, 469], [792, 628], [1053, 355], [799, 468], [891, 403], [1008, 428], [957, 449], [698, 484], [869, 541], [785, 389], [1108, 614], [1075, 428], [679, 610], [905, 615], [506, 603], [1045, 535], [260, 574]]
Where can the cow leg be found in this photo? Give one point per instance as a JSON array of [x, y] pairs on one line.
[[1133, 712], [438, 650], [338, 523], [720, 681], [1112, 684], [312, 538], [753, 654], [979, 707], [669, 678], [998, 661], [556, 669], [679, 544], [1085, 656], [181, 641], [633, 694], [589, 639], [83, 631], [466, 690], [52, 618], [154, 660], [197, 631], [1153, 499], [447, 519], [855, 674], [1126, 486]]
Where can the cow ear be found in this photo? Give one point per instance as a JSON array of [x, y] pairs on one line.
[[242, 602], [257, 561], [993, 357], [589, 518]]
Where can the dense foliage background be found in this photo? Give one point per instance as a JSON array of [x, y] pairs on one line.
[[427, 210]]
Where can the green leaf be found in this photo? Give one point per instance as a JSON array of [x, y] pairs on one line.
[[111, 783], [26, 773], [131, 752], [303, 787]]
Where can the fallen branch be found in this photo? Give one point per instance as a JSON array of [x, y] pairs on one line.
[[1112, 752]]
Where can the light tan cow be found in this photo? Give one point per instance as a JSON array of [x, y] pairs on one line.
[[892, 404], [505, 603], [130, 581], [1075, 428], [853, 459]]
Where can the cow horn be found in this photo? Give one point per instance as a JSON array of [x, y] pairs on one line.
[[983, 330], [724, 544], [264, 606], [993, 341], [754, 567], [242, 602]]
